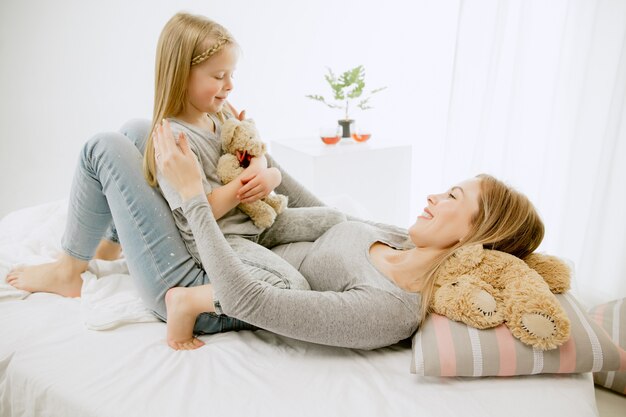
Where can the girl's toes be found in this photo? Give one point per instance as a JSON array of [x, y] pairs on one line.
[[13, 273], [16, 270]]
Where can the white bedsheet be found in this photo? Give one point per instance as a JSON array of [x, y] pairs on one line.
[[52, 362]]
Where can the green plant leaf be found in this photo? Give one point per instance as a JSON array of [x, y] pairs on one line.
[[358, 89], [363, 104], [335, 85], [321, 98], [315, 97], [347, 87]]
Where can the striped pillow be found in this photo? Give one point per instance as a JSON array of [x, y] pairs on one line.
[[612, 317], [442, 347]]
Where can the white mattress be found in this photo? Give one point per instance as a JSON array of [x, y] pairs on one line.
[[53, 364]]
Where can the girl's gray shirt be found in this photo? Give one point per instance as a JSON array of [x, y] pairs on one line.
[[207, 146], [352, 303]]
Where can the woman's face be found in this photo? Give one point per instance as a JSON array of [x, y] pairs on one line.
[[211, 81], [447, 218]]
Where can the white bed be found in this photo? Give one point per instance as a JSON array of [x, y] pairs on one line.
[[53, 362]]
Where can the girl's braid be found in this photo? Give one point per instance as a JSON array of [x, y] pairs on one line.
[[212, 50]]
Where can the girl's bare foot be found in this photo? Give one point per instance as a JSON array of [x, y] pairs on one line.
[[184, 304], [59, 277]]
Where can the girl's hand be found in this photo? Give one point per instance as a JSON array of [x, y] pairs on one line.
[[259, 185], [177, 162]]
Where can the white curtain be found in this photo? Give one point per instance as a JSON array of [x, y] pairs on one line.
[[537, 99]]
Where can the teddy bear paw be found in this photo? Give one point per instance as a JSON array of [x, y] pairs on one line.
[[539, 325], [264, 220], [486, 304]]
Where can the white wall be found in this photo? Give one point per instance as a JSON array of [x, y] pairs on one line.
[[74, 68]]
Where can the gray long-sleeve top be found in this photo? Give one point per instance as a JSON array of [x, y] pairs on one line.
[[207, 147], [351, 304]]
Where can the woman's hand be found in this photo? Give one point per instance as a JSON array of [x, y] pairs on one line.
[[178, 164]]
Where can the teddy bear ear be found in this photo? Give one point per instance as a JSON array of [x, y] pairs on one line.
[[469, 255], [228, 132], [463, 260], [250, 126], [554, 271]]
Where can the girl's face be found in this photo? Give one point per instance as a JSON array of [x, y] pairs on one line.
[[447, 217], [211, 81]]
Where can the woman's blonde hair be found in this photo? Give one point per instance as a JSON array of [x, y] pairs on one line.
[[186, 40], [506, 221]]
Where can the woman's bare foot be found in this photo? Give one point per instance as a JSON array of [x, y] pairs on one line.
[[184, 304], [59, 277]]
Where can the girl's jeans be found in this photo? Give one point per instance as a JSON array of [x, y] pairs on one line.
[[110, 198]]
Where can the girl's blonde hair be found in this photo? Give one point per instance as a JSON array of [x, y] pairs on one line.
[[186, 40], [506, 221]]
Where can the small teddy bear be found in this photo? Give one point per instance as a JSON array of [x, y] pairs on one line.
[[484, 288], [240, 142]]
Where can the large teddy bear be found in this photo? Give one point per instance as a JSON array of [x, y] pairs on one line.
[[240, 142], [484, 288]]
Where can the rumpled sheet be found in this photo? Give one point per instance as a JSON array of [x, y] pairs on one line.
[[54, 361], [33, 236]]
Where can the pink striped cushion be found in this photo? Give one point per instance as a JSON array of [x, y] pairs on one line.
[[612, 317], [442, 347]]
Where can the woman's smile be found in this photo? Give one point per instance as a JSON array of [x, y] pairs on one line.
[[426, 214]]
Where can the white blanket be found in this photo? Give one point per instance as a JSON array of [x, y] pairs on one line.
[[33, 236], [53, 364]]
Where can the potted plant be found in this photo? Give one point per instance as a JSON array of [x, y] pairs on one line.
[[347, 88]]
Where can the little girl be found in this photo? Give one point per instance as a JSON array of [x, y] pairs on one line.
[[196, 58], [195, 61]]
